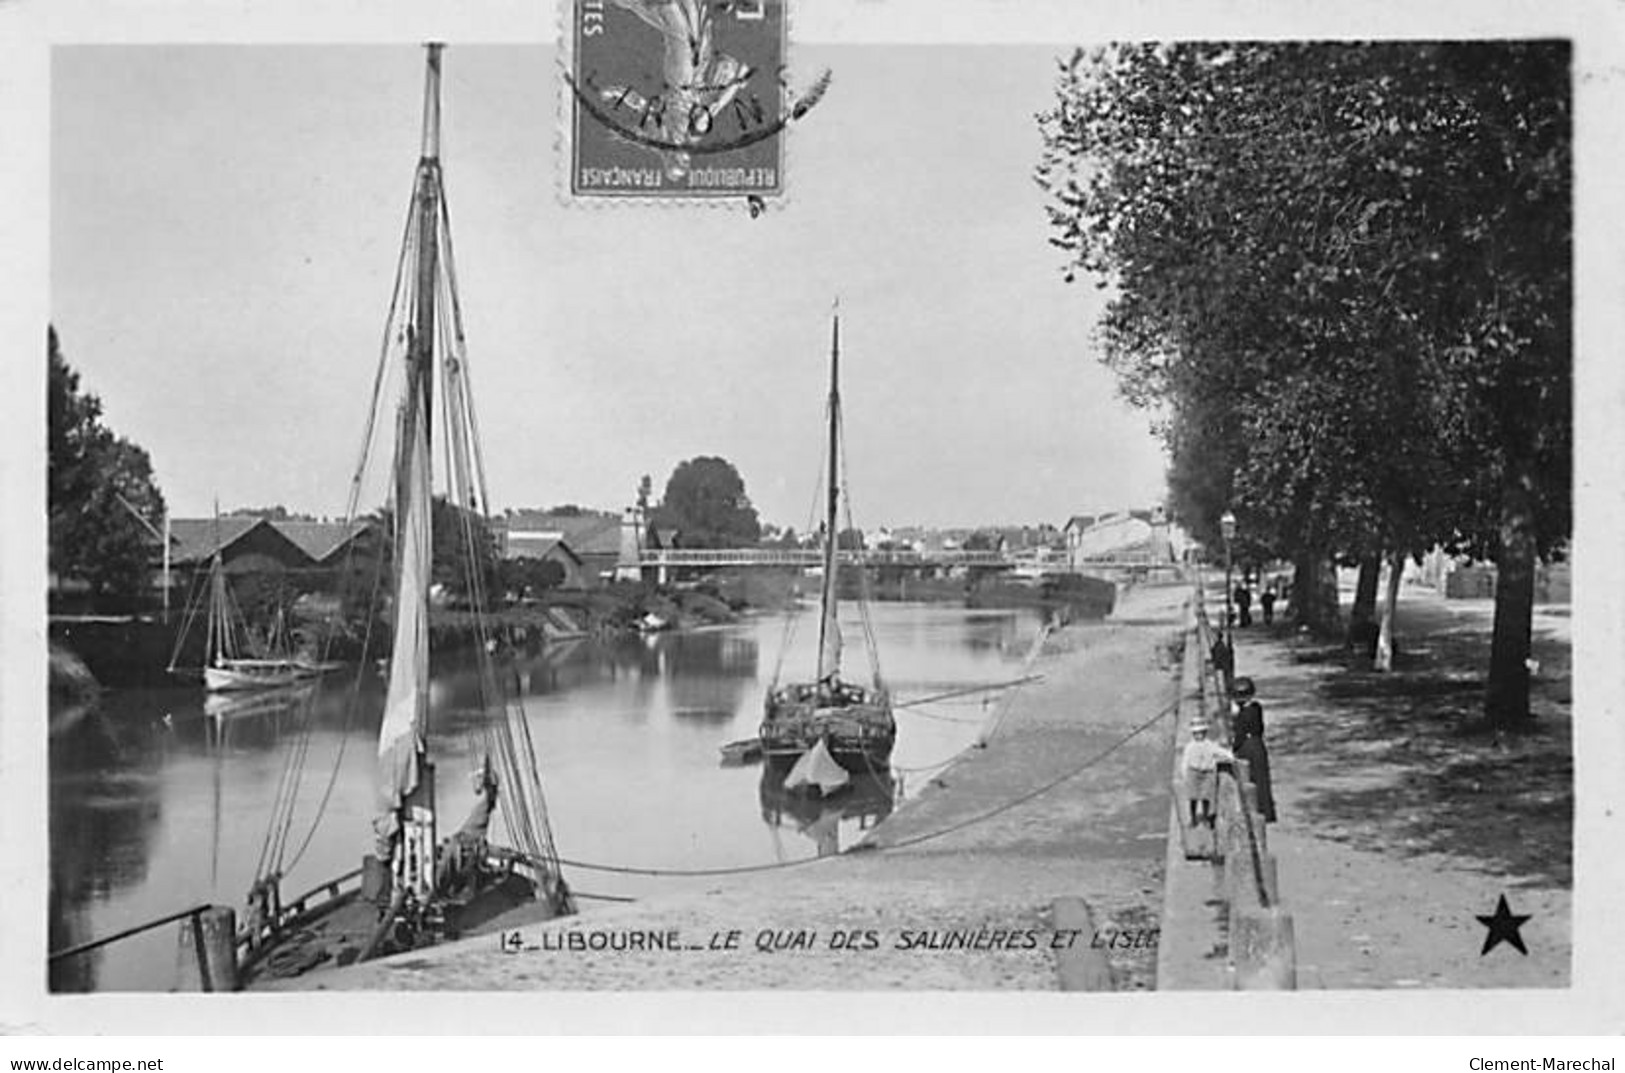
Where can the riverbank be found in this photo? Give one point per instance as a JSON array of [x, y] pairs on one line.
[[972, 884], [1402, 821]]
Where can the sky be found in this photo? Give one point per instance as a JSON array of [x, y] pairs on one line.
[[225, 222]]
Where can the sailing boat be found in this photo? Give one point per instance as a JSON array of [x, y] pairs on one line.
[[225, 665], [852, 723], [416, 888]]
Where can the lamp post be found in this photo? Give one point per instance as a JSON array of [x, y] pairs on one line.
[[1227, 529]]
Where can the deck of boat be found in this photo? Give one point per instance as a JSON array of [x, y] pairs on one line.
[[344, 931]]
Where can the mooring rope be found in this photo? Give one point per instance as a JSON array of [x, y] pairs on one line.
[[865, 848], [1016, 802]]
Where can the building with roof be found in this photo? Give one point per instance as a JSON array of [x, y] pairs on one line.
[[1124, 535], [593, 538], [249, 544], [326, 543], [547, 548]]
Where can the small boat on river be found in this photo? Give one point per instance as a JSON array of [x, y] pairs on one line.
[[744, 751], [231, 661], [853, 721]]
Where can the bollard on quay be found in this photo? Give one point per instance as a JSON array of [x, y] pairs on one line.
[[208, 950]]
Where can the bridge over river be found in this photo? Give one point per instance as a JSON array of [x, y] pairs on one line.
[[663, 560]]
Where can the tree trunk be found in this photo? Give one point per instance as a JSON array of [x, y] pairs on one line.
[[1385, 637], [1314, 592], [1364, 611], [1506, 700]]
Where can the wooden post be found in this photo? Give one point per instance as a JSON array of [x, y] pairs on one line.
[[208, 953], [1249, 801], [1263, 951], [1082, 965]]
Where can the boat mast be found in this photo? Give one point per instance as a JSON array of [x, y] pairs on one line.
[[829, 637], [420, 355], [404, 730], [217, 649], [413, 471]]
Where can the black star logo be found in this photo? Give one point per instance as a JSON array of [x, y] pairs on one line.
[[1503, 925]]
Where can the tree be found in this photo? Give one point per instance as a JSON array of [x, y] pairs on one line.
[[982, 540], [705, 500], [464, 552], [1342, 273], [103, 504], [277, 513], [527, 576]]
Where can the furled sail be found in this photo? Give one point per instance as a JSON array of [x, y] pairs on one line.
[[400, 735], [829, 652]]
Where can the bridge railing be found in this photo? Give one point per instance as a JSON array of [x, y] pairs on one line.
[[804, 557], [808, 557]]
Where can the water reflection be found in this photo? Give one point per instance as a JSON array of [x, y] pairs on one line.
[[857, 807], [162, 799]]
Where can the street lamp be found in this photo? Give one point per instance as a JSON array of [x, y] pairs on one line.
[[1227, 529]]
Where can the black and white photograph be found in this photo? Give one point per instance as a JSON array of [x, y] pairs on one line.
[[813, 508]]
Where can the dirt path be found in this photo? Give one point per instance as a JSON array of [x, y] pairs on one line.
[[1401, 822]]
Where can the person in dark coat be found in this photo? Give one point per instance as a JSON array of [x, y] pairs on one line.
[[1244, 605], [1247, 742], [1267, 602]]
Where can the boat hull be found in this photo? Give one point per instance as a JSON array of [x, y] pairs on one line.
[[859, 736], [239, 675], [342, 929]]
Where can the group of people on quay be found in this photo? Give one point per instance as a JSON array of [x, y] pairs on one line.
[[1240, 612], [1202, 756]]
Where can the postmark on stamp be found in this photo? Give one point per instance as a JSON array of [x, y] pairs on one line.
[[676, 99]]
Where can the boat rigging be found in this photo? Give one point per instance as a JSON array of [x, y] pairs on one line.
[[417, 887], [848, 723]]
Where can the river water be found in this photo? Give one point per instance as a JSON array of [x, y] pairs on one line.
[[160, 799]]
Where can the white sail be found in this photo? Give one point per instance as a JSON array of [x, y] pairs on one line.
[[818, 770], [399, 737]]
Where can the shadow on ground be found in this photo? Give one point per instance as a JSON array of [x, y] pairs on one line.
[[1405, 764]]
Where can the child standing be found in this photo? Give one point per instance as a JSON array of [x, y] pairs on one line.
[[1200, 764]]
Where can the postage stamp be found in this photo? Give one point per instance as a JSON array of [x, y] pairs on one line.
[[677, 98]]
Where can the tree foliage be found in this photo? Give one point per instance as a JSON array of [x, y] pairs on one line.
[[1341, 272], [104, 506], [705, 501], [275, 513], [530, 577], [464, 549]]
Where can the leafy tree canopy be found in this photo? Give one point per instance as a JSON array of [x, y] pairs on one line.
[[705, 501], [1342, 273], [105, 509]]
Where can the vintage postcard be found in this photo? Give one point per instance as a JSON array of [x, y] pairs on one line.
[[735, 506]]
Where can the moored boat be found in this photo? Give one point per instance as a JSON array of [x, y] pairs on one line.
[[743, 751], [854, 722], [226, 667], [417, 888]]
